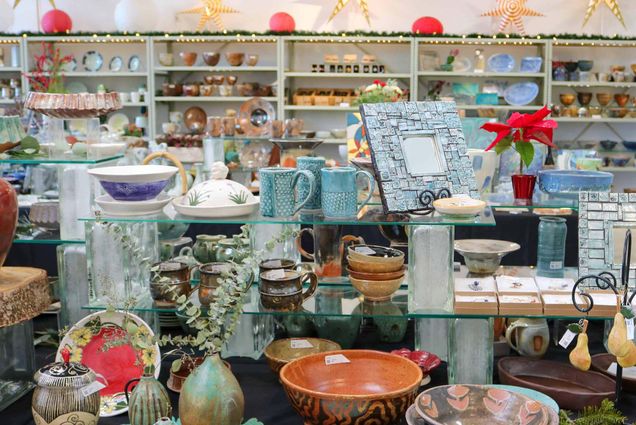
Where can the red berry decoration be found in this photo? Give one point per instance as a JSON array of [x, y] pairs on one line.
[[282, 22], [55, 21], [427, 25]]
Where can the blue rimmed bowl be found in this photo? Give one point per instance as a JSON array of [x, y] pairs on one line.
[[568, 183], [630, 146], [134, 182]]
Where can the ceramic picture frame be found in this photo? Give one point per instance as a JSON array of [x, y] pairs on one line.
[[417, 148]]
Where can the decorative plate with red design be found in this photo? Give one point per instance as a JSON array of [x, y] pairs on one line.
[[101, 342]]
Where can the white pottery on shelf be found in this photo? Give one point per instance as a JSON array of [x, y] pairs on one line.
[[134, 173], [217, 197], [459, 206], [112, 207]]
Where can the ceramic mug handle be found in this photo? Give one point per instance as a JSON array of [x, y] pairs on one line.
[[509, 331], [126, 387], [304, 253], [312, 187], [371, 186], [313, 279]]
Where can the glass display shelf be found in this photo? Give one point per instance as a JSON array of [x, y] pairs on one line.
[[59, 160], [370, 215], [506, 200], [42, 238]]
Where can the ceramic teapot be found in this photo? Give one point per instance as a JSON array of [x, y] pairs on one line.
[[529, 337]]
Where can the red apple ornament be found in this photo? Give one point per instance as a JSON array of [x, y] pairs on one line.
[[282, 22], [56, 20], [427, 25]]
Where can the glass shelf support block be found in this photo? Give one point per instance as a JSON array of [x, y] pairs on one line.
[[17, 362], [432, 335], [253, 334], [73, 282], [76, 192], [470, 349]]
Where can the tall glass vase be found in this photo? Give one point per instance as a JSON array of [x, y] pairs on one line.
[[551, 249]]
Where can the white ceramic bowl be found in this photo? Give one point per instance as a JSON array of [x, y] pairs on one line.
[[459, 207], [483, 256], [134, 173]]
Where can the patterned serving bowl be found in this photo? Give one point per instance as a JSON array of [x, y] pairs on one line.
[[351, 387], [134, 182]]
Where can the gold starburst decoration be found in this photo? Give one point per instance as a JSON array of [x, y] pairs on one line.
[[612, 4], [342, 3], [511, 12], [211, 10]]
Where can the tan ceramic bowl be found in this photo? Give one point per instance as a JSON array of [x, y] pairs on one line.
[[235, 58], [377, 276], [365, 267], [377, 290], [383, 255], [567, 98], [280, 352], [373, 388]]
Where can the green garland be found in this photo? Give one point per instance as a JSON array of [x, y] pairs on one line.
[[356, 33]]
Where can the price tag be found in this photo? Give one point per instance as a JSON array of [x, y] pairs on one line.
[[556, 265], [92, 388], [567, 339], [336, 359], [630, 328], [301, 343], [365, 250], [274, 263], [276, 274]]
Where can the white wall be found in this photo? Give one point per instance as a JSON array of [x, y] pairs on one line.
[[458, 16]]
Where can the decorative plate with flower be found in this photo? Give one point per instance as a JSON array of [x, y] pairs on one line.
[[101, 341]]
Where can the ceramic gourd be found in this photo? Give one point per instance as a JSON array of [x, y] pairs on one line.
[[148, 402]]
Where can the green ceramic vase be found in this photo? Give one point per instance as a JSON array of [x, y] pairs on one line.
[[148, 402], [204, 249], [211, 396]]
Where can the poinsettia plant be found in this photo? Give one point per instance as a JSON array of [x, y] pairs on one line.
[[519, 131], [381, 92]]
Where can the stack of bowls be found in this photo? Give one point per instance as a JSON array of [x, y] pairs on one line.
[[376, 271]]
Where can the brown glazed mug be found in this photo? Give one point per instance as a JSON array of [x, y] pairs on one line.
[[169, 278], [282, 290], [276, 264], [211, 274]]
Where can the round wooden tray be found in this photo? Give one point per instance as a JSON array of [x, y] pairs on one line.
[[24, 294]]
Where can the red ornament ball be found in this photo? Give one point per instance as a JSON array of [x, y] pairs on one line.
[[56, 21], [282, 22], [427, 25]]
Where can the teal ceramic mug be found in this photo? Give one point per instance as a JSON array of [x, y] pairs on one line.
[[340, 193], [313, 164], [278, 191]]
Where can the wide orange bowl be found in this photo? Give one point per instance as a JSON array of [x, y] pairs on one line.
[[373, 387]]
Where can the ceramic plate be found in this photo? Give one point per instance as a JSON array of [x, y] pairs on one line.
[[118, 121], [195, 118], [256, 117], [501, 62], [112, 207], [115, 366], [182, 207], [521, 94], [461, 207], [70, 66], [133, 63], [116, 63], [479, 405], [92, 61], [76, 87]]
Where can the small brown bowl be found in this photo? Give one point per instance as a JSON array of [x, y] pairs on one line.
[[377, 290], [603, 99], [211, 58], [218, 79], [584, 98], [208, 79], [366, 267], [376, 276], [207, 90], [263, 91], [235, 58], [621, 99], [567, 98], [246, 89], [188, 58], [170, 89], [376, 254], [281, 352], [191, 89], [231, 79]]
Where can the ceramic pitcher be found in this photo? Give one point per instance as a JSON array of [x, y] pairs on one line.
[[529, 337], [149, 401]]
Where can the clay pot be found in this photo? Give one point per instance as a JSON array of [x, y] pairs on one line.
[[603, 99], [211, 58], [265, 90], [218, 79], [188, 58], [170, 89], [621, 99], [246, 89], [8, 218], [208, 79], [235, 58], [584, 98], [191, 89], [207, 90], [231, 79]]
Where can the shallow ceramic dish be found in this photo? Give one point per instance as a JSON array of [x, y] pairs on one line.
[[479, 405], [501, 62], [183, 207], [283, 351], [428, 362], [376, 290], [134, 182], [463, 207], [92, 61], [73, 105], [521, 94], [102, 150], [601, 362], [568, 183], [255, 117], [376, 276], [571, 388], [376, 254], [115, 64], [483, 256], [374, 387], [134, 63], [112, 207]]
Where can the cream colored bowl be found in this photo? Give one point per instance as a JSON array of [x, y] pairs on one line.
[[377, 290]]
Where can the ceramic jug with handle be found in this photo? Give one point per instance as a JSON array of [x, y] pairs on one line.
[[529, 337], [148, 402]]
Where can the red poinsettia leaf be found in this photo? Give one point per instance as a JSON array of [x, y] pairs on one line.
[[541, 135], [500, 135], [518, 120]]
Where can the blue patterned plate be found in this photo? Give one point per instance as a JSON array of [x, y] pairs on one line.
[[501, 62], [521, 94]]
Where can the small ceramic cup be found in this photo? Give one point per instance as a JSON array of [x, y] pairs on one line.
[[314, 165], [282, 290], [166, 59], [211, 273], [278, 194], [339, 196]]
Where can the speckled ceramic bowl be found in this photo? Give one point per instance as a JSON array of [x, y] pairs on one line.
[[283, 351], [483, 256], [376, 290]]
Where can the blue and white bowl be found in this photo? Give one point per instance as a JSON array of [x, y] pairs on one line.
[[501, 62], [568, 183], [531, 64], [134, 182]]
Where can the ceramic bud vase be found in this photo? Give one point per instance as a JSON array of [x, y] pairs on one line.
[[8, 218], [211, 396], [149, 400], [523, 188]]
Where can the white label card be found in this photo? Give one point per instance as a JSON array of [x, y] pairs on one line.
[[630, 328], [301, 343], [336, 359], [556, 265], [365, 250], [92, 388], [567, 339], [276, 274], [274, 263]]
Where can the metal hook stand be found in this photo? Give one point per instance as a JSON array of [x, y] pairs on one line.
[[604, 281], [426, 198]]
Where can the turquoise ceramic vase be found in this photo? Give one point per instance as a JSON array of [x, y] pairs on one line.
[[148, 402], [211, 396]]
